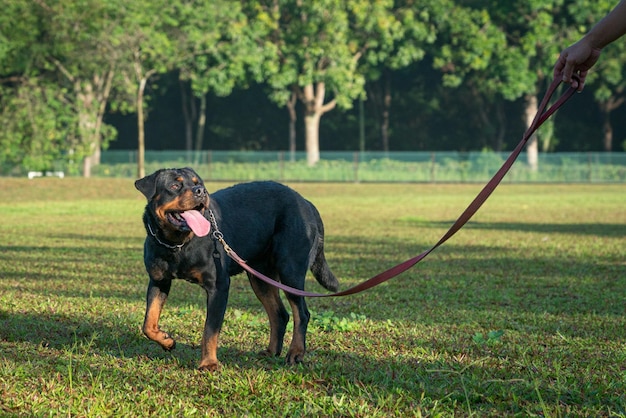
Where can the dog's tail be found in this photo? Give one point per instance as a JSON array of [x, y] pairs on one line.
[[319, 267], [321, 271]]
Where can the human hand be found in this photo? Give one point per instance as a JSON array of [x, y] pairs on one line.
[[577, 59]]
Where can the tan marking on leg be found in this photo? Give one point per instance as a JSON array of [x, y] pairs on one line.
[[273, 305], [297, 348], [151, 326], [275, 344], [209, 353]]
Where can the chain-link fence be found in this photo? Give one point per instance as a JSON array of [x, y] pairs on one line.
[[373, 166], [368, 166]]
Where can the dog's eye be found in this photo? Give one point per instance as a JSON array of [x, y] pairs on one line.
[[175, 186]]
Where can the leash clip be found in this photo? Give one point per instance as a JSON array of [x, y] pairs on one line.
[[220, 237], [217, 235]]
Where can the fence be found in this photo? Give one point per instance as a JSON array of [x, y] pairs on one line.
[[372, 166]]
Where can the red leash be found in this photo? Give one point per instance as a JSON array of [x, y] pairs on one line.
[[541, 116]]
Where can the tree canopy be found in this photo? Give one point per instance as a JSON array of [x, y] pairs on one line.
[[260, 74]]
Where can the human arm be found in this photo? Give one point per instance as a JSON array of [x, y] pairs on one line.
[[581, 56]]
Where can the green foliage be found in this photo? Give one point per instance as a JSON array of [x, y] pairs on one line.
[[65, 45], [492, 338], [336, 43], [327, 321], [218, 46], [99, 55], [470, 43], [19, 32], [505, 49], [37, 127]]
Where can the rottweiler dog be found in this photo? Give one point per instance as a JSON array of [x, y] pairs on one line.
[[272, 227]]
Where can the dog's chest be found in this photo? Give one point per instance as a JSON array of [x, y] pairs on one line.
[[192, 267]]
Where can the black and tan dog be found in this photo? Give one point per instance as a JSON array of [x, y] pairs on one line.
[[273, 228]]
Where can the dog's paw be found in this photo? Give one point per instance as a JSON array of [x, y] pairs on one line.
[[209, 367], [167, 342], [294, 357], [268, 353]]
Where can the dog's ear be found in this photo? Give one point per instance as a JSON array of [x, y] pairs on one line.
[[147, 185]]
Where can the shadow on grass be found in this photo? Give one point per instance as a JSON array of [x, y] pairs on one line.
[[72, 270], [492, 380], [489, 286], [97, 236], [59, 331], [603, 230], [481, 284], [480, 276]]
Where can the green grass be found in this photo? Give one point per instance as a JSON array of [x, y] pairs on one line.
[[522, 313]]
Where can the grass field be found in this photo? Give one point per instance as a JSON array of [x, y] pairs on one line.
[[523, 312]]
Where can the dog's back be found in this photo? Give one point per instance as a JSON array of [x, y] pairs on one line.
[[268, 214]]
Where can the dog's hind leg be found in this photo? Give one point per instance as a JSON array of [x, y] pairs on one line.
[[301, 318], [155, 299], [291, 257], [276, 312]]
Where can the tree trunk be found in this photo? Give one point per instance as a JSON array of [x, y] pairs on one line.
[[607, 132], [188, 105], [361, 125], [94, 98], [532, 148], [87, 167], [103, 92], [291, 109], [86, 123], [312, 124], [607, 107], [141, 143], [201, 123], [91, 100], [313, 98], [500, 134], [384, 127], [142, 79]]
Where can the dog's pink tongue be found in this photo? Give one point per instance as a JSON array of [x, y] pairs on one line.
[[197, 222]]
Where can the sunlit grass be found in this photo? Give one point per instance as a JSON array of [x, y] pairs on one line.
[[523, 312]]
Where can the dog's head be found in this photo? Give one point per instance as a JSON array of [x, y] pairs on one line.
[[177, 199]]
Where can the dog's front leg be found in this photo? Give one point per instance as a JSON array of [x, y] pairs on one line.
[[217, 299], [158, 291]]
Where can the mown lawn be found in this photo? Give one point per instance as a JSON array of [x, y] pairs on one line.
[[523, 312]]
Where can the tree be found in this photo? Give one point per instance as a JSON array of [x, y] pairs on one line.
[[56, 48], [607, 78], [417, 29], [81, 49], [520, 40], [38, 128], [320, 46], [472, 53], [147, 37], [19, 137], [220, 52]]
